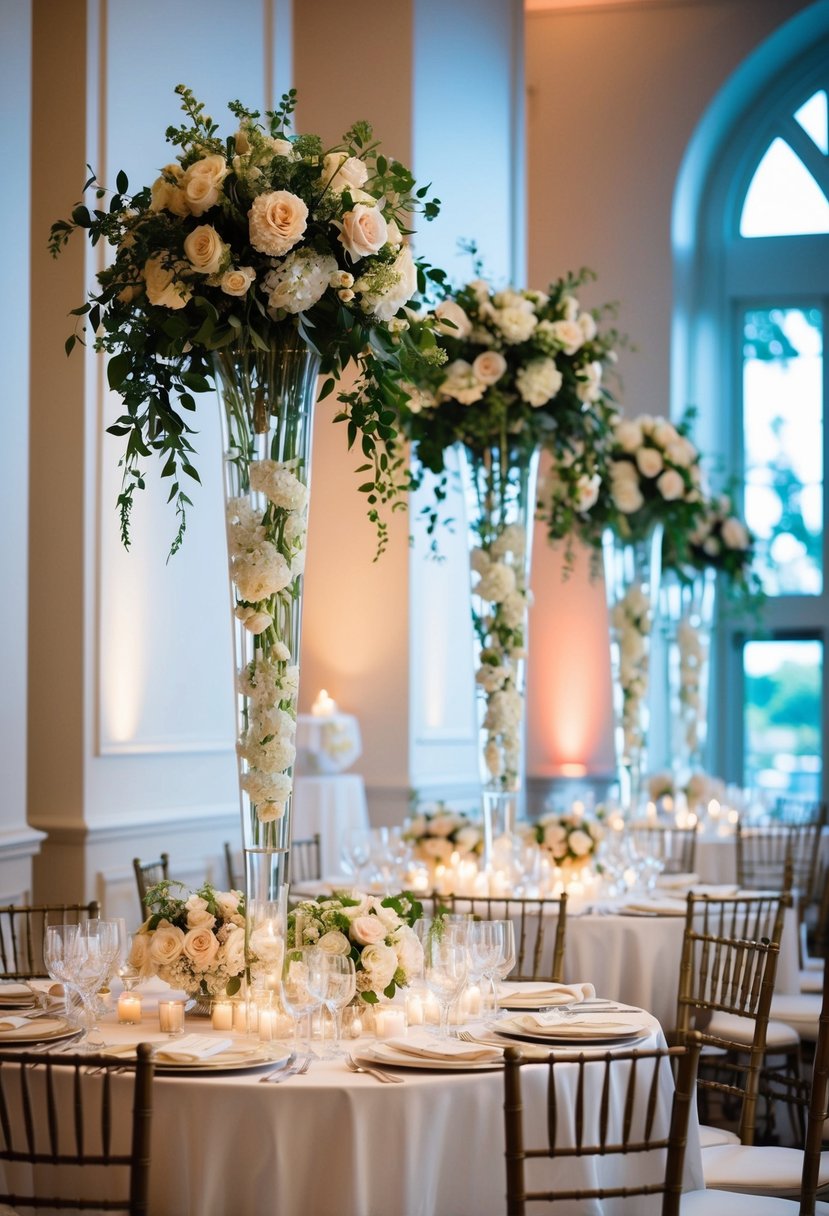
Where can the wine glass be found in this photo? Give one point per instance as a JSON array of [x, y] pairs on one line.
[[58, 944], [486, 948], [506, 960], [445, 967], [335, 978], [297, 996], [92, 960]]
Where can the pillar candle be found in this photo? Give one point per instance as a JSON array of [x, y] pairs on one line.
[[390, 1023], [221, 1015], [171, 1016]]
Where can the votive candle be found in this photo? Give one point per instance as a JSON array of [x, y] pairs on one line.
[[171, 1016], [390, 1023], [267, 1025], [129, 1008], [221, 1015]]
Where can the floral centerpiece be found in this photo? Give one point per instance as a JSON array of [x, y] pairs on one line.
[[570, 839], [254, 261], [376, 933], [699, 788], [524, 371], [435, 834], [196, 941]]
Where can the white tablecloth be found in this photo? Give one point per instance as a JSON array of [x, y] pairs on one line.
[[332, 1143], [332, 806]]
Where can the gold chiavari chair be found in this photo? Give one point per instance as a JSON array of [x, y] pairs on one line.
[[540, 929], [600, 1125], [726, 981], [23, 928], [234, 868], [57, 1132], [774, 857], [768, 1171], [147, 874], [796, 811], [675, 847]]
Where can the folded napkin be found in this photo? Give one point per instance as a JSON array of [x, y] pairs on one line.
[[547, 1024], [676, 882], [548, 994], [656, 907], [191, 1049], [13, 1023], [16, 992], [716, 890], [428, 1048]]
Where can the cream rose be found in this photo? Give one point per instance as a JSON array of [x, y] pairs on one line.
[[580, 843], [139, 957], [489, 366], [364, 231], [452, 320], [202, 181], [409, 951], [334, 942], [237, 280], [204, 249], [163, 289], [367, 930], [167, 944], [670, 485], [201, 946], [234, 951], [380, 963], [629, 436], [341, 172], [277, 221], [627, 496], [569, 335], [198, 913], [227, 905], [649, 462], [166, 195], [735, 534]]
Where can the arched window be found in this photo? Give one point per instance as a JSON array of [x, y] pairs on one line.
[[751, 235]]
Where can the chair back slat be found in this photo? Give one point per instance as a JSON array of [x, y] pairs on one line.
[[767, 855], [636, 1079], [675, 847], [76, 1094], [148, 874], [23, 930], [305, 859]]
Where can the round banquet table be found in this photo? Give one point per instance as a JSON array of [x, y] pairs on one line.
[[332, 1143]]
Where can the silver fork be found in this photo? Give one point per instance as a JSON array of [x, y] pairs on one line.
[[386, 1077], [281, 1069]]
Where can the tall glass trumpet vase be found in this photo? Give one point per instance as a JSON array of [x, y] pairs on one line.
[[631, 572], [500, 490], [687, 606], [266, 402]]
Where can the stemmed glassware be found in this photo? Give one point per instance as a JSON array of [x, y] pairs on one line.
[[58, 945], [298, 997], [82, 957], [506, 961], [334, 979], [486, 950], [445, 969]]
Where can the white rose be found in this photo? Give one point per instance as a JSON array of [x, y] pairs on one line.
[[197, 912], [341, 172], [227, 904], [452, 320], [234, 951], [268, 947], [670, 485], [580, 843], [380, 963], [649, 462], [204, 249], [409, 951], [587, 492], [237, 280], [681, 452], [163, 289], [515, 323], [253, 621], [363, 232], [334, 942], [436, 846], [201, 184], [734, 534], [140, 958], [589, 383], [167, 944], [489, 366], [367, 930], [201, 946], [554, 835], [538, 382], [587, 325], [277, 221], [391, 297], [664, 432]]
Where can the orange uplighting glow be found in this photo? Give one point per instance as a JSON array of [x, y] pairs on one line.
[[573, 768]]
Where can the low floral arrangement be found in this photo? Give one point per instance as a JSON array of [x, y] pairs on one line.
[[567, 837], [436, 834], [376, 933], [259, 237], [196, 940], [699, 789]]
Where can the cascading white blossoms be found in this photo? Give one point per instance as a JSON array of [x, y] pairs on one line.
[[267, 556], [631, 620], [692, 647], [503, 632]]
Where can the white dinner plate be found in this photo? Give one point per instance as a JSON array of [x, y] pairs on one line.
[[16, 996], [573, 1032], [381, 1053], [234, 1060], [38, 1030]]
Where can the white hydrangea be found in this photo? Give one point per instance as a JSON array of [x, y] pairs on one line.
[[513, 539], [299, 281], [496, 583], [279, 484], [260, 572], [538, 381], [516, 324]]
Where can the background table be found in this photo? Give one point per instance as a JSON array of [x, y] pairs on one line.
[[332, 806]]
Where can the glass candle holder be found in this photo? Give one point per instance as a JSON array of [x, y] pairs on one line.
[[221, 1015], [171, 1017], [129, 1008]]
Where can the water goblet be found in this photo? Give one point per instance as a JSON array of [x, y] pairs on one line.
[[298, 999], [58, 943], [445, 966], [486, 948], [335, 978], [506, 960]]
